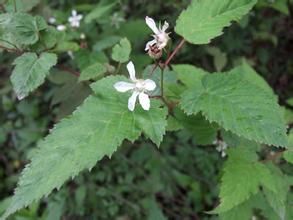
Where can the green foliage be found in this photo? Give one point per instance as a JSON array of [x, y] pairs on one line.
[[95, 130], [99, 11], [242, 177], [30, 72], [26, 28], [93, 71], [21, 5], [204, 20], [121, 51], [238, 105]]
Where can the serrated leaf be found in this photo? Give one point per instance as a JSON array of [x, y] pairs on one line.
[[92, 72], [25, 28], [189, 75], [30, 72], [238, 105], [121, 51], [288, 154], [277, 200], [94, 130], [243, 175], [203, 131], [204, 20]]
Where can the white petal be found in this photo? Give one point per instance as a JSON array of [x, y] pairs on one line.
[[61, 27], [131, 71], [165, 26], [144, 101], [150, 43], [74, 13], [132, 100], [123, 86], [152, 24], [149, 85], [79, 17]]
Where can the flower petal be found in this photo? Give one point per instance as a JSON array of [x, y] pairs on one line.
[[131, 71], [149, 85], [79, 17], [144, 101], [123, 86], [150, 43], [152, 24], [165, 26], [74, 13], [132, 100]]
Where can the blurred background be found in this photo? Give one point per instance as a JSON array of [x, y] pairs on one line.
[[180, 179]]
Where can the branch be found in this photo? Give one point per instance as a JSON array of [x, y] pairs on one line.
[[69, 70]]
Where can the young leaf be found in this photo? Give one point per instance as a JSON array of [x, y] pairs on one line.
[[238, 105], [94, 130], [92, 72], [30, 72], [25, 28], [121, 51], [204, 20], [243, 175]]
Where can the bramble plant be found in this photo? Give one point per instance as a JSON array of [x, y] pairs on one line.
[[235, 110]]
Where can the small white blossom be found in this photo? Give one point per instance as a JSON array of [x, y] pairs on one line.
[[52, 20], [161, 38], [74, 19], [82, 36], [70, 54], [221, 147], [139, 88], [61, 27]]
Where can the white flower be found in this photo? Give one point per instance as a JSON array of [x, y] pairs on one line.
[[139, 88], [161, 38], [82, 36], [52, 20], [61, 27], [221, 147], [74, 19]]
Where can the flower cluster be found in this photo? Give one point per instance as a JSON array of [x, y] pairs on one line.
[[221, 147], [139, 87], [74, 21]]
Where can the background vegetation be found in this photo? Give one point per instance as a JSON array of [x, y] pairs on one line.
[[180, 179]]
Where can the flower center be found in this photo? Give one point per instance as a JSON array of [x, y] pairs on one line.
[[140, 85]]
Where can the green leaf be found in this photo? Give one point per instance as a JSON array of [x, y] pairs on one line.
[[219, 57], [93, 71], [203, 131], [21, 5], [94, 130], [288, 155], [243, 175], [239, 105], [25, 28], [204, 20], [277, 200], [30, 72], [189, 75], [121, 51], [98, 12]]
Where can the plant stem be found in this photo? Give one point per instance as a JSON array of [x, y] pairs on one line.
[[177, 48], [118, 68]]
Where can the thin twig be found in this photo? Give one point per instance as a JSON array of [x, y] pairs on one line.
[[69, 70], [177, 48]]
